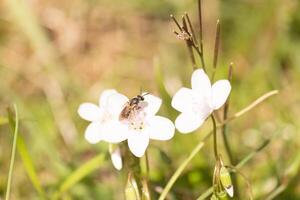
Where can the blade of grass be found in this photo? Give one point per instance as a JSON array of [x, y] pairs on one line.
[[26, 159], [12, 160], [79, 174], [253, 105], [238, 166], [29, 167], [179, 171], [289, 174]]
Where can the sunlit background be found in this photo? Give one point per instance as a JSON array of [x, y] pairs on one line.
[[55, 55]]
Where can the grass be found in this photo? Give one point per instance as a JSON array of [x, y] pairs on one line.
[[49, 67], [15, 127]]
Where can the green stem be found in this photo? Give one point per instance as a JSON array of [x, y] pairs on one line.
[[226, 144], [201, 35], [12, 160], [133, 167], [252, 105], [147, 164], [225, 139], [246, 159], [197, 148], [77, 175], [215, 137], [179, 171], [216, 50], [146, 188]]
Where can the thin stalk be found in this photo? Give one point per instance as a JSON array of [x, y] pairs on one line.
[[246, 159], [249, 188], [215, 138], [179, 171], [176, 22], [189, 43], [200, 55], [198, 147], [290, 173], [147, 164], [252, 105], [187, 33], [277, 191], [13, 153], [216, 50], [133, 167], [146, 188], [225, 139], [191, 28], [201, 34]]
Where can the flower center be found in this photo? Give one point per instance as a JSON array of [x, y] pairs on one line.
[[136, 120], [200, 106]]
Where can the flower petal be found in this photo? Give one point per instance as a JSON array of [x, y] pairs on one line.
[[93, 133], [160, 128], [201, 83], [104, 96], [114, 132], [183, 99], [220, 93], [153, 105], [188, 122], [116, 158], [229, 191], [138, 142], [116, 103], [89, 112]]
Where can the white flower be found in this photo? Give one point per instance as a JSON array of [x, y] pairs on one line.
[[138, 129], [102, 117], [142, 125], [197, 103]]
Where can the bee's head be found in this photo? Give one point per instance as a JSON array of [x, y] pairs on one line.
[[140, 97]]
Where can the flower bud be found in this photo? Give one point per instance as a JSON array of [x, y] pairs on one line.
[[131, 190], [116, 157], [226, 181], [213, 197], [222, 195], [145, 190]]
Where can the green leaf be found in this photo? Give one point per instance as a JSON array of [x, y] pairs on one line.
[[179, 171], [131, 189], [26, 159], [15, 128], [226, 180], [29, 167], [79, 174]]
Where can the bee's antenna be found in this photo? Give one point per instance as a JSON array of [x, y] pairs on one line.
[[141, 90], [146, 94]]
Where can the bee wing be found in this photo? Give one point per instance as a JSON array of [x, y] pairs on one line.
[[125, 112]]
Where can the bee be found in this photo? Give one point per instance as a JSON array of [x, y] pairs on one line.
[[133, 106]]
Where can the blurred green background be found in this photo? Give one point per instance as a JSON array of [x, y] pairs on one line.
[[57, 54]]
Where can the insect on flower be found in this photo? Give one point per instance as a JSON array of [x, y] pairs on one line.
[[133, 106], [118, 118]]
